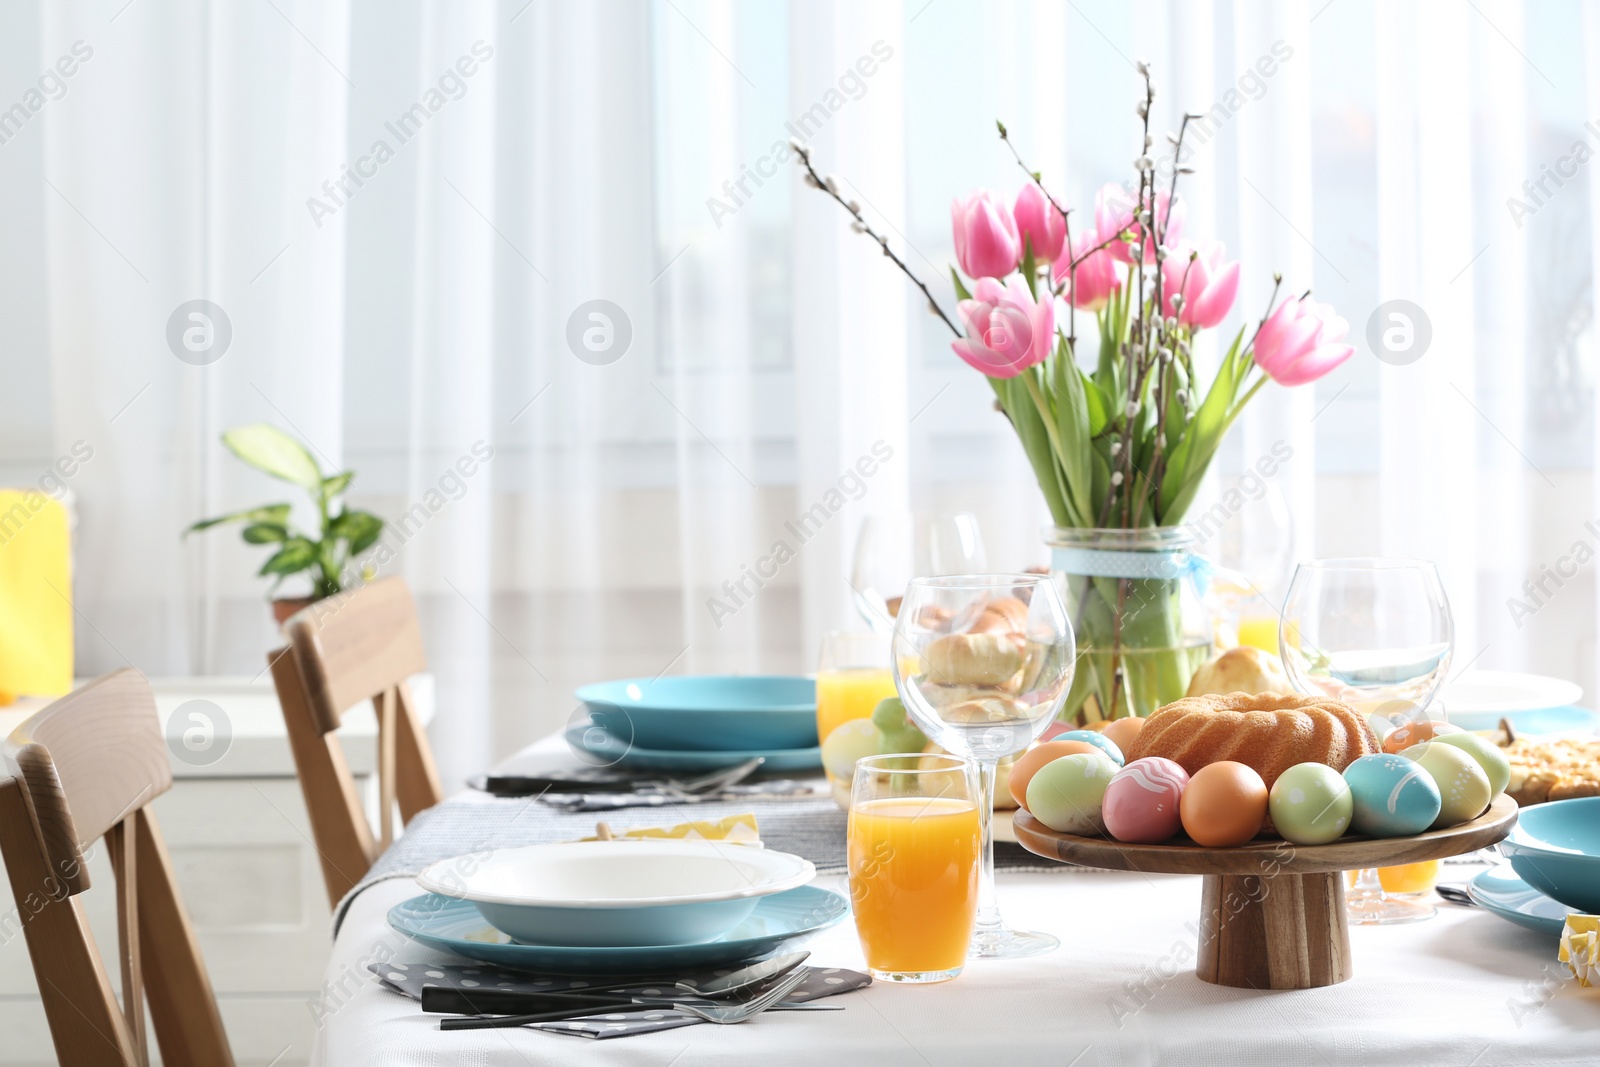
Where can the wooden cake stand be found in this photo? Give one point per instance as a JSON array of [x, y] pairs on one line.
[[1271, 913]]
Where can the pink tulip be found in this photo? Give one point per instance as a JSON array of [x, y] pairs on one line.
[[1007, 330], [1096, 276], [1300, 342], [987, 242], [1208, 284], [1039, 222], [1113, 213]]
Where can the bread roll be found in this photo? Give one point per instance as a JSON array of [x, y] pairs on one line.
[[1240, 670]]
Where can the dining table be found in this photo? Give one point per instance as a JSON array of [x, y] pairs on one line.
[[1465, 989]]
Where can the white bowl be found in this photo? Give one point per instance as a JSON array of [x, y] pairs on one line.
[[617, 893]]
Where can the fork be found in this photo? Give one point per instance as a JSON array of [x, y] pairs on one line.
[[738, 1013], [582, 1006]]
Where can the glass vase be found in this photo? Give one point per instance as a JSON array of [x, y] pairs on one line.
[[1136, 600]]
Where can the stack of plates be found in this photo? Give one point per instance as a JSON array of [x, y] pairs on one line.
[[1533, 703], [1555, 867], [618, 907], [699, 722]]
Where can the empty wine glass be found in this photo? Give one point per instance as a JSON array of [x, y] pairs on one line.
[[1376, 634], [895, 547], [983, 663]]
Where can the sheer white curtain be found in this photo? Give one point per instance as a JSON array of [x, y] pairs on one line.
[[625, 508]]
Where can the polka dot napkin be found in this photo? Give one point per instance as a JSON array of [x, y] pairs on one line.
[[409, 978]]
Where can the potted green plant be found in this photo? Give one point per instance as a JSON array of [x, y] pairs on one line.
[[323, 554]]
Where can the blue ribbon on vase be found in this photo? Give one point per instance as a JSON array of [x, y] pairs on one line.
[[1123, 563]]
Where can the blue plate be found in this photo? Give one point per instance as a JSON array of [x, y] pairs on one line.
[[1499, 890], [595, 745], [1532, 721], [716, 711], [1555, 847], [456, 926]]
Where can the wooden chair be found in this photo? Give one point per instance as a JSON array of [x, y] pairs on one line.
[[88, 767], [356, 646]]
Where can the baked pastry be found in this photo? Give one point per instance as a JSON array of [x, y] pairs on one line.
[[1245, 669], [1268, 732], [973, 659], [1552, 770]]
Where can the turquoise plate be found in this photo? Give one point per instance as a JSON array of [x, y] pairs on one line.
[[1499, 890], [597, 746], [710, 711], [456, 926], [1533, 721]]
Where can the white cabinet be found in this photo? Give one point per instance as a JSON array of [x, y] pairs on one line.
[[241, 844]]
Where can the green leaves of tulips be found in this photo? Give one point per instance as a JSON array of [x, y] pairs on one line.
[[341, 533]]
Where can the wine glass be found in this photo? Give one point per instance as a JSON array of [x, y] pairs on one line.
[[894, 547], [1376, 634], [983, 663]]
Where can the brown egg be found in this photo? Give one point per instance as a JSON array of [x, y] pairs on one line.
[[1223, 805], [1414, 733], [1121, 732], [1030, 761]]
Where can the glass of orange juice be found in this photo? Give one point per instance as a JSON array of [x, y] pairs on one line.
[[853, 674], [1406, 880], [915, 844]]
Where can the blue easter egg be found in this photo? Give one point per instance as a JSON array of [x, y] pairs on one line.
[[1393, 796], [1098, 740]]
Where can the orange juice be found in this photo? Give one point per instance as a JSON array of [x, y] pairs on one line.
[[914, 881], [1261, 631], [843, 695], [1408, 879]]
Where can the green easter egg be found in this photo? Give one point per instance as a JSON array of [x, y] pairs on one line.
[[1311, 804]]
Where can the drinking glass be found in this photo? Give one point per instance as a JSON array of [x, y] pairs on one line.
[[1376, 634], [852, 676], [894, 547], [915, 842], [983, 663]]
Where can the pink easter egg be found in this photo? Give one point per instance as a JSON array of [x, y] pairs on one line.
[[1141, 801]]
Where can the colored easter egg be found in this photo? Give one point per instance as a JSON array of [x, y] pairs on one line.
[[1099, 740], [1488, 754], [1066, 793], [1391, 796], [1224, 804], [1141, 802], [1463, 786], [1310, 804], [1411, 733], [1055, 730], [1028, 764], [1121, 732]]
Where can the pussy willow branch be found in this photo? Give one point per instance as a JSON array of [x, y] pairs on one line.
[[817, 181]]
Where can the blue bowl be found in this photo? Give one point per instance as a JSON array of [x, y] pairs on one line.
[[707, 712], [1555, 848]]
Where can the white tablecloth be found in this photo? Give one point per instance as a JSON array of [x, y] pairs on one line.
[[1465, 988]]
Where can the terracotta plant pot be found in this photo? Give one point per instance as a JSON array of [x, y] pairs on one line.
[[282, 609]]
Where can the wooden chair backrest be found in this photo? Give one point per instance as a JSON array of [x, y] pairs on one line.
[[84, 768], [356, 646]]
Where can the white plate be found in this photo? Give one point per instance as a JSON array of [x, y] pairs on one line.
[[1501, 692], [617, 874], [608, 893]]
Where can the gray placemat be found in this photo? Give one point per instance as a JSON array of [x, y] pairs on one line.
[[812, 827]]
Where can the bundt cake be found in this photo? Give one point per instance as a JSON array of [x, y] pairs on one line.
[[1269, 732]]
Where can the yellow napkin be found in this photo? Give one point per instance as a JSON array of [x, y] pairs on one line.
[[735, 829], [1580, 948], [35, 596]]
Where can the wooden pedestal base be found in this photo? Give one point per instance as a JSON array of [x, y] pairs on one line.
[[1271, 913], [1285, 931]]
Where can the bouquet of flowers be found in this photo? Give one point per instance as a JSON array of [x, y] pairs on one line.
[[1122, 446]]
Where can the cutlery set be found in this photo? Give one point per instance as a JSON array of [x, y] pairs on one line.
[[731, 998]]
